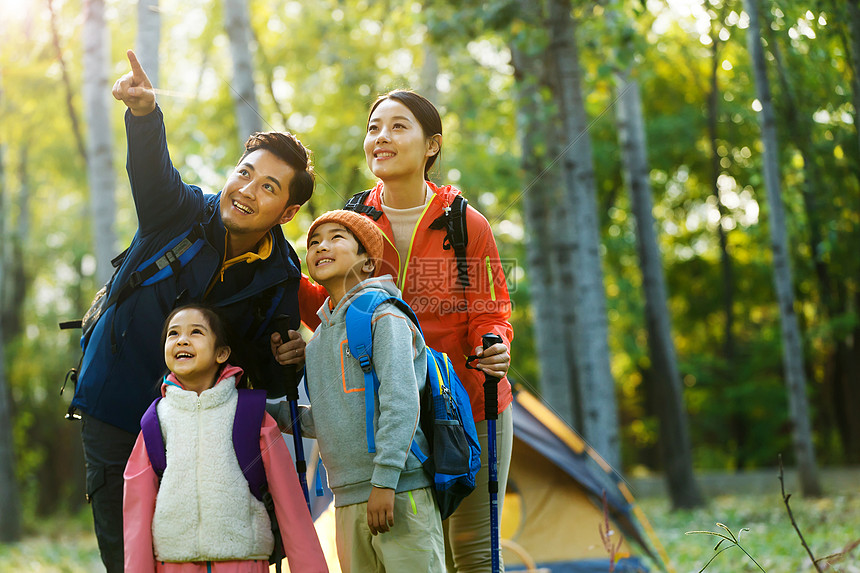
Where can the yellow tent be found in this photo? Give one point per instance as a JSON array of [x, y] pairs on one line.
[[554, 503]]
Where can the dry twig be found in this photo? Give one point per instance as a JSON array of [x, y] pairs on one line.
[[606, 533], [785, 499]]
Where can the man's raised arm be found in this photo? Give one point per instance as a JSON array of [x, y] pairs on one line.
[[161, 198], [134, 89]]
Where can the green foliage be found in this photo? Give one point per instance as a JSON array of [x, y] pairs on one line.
[[319, 65]]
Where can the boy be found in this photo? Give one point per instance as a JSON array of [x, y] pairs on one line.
[[386, 492]]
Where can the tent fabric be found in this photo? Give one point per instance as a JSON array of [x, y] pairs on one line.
[[535, 432], [554, 510], [627, 565]]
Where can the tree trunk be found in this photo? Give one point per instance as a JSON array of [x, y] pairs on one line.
[[540, 187], [792, 346], [831, 305], [10, 510], [674, 427], [854, 26], [67, 85], [736, 422], [149, 38], [100, 170], [238, 24], [726, 265], [586, 290], [15, 280], [429, 73]]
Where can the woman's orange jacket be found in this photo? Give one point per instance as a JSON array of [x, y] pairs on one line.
[[452, 317]]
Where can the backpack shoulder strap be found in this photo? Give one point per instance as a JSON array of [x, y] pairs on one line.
[[360, 341], [359, 338], [453, 220], [356, 203], [458, 236], [150, 427], [169, 260], [250, 408]]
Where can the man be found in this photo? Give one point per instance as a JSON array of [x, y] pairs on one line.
[[234, 257]]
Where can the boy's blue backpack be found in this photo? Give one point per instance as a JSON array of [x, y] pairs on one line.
[[446, 413], [250, 409]]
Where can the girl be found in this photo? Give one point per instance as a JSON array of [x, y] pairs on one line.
[[403, 141], [202, 516]]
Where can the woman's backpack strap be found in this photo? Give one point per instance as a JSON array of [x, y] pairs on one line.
[[356, 203], [453, 220]]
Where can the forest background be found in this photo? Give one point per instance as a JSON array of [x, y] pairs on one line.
[[677, 221]]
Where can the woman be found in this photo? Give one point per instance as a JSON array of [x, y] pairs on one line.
[[403, 141]]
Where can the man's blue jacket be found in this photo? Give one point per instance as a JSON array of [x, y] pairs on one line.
[[123, 360]]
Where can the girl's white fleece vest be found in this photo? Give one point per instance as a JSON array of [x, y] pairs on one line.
[[205, 510]]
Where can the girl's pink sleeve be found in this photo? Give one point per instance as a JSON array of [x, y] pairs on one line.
[[138, 507], [301, 544]]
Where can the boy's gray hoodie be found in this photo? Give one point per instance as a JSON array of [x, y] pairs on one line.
[[336, 416]]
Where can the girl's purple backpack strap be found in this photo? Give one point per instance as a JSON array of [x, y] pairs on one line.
[[152, 438], [250, 408], [246, 438]]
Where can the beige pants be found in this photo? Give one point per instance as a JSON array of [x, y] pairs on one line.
[[414, 543], [467, 530]]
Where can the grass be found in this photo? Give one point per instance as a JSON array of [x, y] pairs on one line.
[[829, 524], [58, 545]]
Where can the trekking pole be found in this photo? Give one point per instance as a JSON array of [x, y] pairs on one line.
[[291, 383], [491, 413]]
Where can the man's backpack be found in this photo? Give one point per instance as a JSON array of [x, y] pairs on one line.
[[250, 409], [446, 413], [453, 220], [168, 262]]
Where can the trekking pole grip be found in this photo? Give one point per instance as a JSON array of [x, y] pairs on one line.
[[291, 382], [491, 383]]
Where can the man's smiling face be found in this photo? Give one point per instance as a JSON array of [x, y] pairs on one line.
[[256, 195]]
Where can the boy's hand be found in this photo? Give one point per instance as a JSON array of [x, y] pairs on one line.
[[380, 510], [494, 361], [134, 89], [291, 351]]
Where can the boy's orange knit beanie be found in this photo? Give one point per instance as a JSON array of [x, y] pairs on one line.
[[365, 232]]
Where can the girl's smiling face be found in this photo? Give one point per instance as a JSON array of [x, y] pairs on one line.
[[191, 351], [395, 145]]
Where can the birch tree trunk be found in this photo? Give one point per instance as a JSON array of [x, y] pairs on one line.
[[149, 38], [595, 382], [238, 24], [67, 84], [15, 279], [846, 392], [541, 188], [674, 426], [854, 26], [429, 73], [100, 170], [10, 510], [726, 265], [792, 347]]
